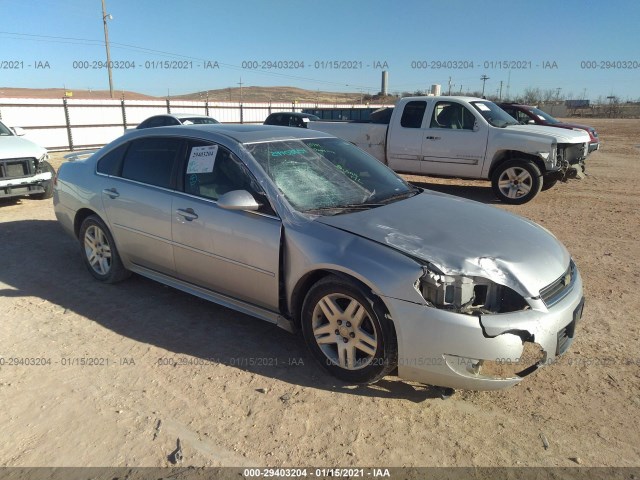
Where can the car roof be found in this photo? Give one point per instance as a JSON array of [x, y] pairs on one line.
[[180, 116], [522, 105], [295, 114], [241, 133]]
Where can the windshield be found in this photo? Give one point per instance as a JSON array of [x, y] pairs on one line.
[[4, 131], [494, 114], [544, 115], [328, 175]]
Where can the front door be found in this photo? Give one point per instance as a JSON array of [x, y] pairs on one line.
[[455, 142], [235, 253]]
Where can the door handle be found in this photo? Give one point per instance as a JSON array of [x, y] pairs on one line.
[[433, 138], [188, 214], [112, 192]]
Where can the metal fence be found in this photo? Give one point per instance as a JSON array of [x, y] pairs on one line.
[[73, 124]]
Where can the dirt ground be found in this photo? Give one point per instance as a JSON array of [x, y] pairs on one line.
[[243, 392]]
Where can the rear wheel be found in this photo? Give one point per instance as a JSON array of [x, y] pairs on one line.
[[99, 251], [516, 181], [346, 329]]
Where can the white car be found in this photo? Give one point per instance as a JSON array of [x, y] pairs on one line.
[[24, 169]]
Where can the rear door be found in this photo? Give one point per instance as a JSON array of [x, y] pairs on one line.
[[137, 200], [455, 142], [236, 253]]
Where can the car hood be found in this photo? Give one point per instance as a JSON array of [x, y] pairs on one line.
[[562, 136], [459, 236], [18, 147], [573, 125]]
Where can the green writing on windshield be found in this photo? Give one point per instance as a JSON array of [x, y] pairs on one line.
[[286, 153]]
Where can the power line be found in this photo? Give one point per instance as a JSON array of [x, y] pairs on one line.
[[125, 46]]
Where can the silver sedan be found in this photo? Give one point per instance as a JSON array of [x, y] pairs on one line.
[[306, 231]]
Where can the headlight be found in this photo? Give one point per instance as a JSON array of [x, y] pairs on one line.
[[553, 157], [470, 295]]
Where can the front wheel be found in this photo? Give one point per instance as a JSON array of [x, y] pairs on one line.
[[346, 329], [516, 181], [99, 251]]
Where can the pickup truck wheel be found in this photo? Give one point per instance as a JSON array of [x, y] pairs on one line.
[[47, 184], [548, 183], [99, 251], [516, 181], [347, 331]]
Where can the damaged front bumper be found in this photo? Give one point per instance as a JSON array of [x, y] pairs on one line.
[[482, 352], [11, 187]]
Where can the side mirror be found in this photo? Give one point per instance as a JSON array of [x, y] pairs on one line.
[[19, 131], [238, 200], [476, 126]]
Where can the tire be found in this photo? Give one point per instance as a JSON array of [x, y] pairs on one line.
[[99, 252], [346, 330], [47, 184], [548, 183], [516, 181]]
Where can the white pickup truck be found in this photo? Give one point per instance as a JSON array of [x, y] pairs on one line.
[[468, 137]]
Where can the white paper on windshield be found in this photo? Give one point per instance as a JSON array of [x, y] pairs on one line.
[[482, 106], [540, 117], [202, 159], [305, 120]]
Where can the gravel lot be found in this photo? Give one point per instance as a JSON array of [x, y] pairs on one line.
[[247, 393]]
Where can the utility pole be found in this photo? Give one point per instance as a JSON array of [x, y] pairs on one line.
[[484, 78], [558, 93], [508, 85], [500, 96], [105, 16], [240, 83], [449, 86]]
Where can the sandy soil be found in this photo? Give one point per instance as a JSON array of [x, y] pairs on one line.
[[247, 393]]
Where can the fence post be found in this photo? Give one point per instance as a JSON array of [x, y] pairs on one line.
[[241, 114], [206, 107], [168, 105], [124, 114], [68, 122], [269, 107]]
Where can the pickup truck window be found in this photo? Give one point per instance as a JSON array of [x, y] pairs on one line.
[[413, 114], [453, 116], [494, 114]]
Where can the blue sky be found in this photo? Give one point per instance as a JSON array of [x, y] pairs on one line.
[[561, 35]]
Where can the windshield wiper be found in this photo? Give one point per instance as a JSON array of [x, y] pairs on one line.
[[342, 208], [400, 196]]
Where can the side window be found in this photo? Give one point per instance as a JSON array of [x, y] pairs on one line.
[[522, 117], [413, 114], [510, 111], [111, 163], [152, 122], [168, 121], [212, 171], [452, 115], [151, 160]]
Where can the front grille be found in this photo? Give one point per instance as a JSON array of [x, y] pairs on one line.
[[572, 153], [560, 288], [17, 167]]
